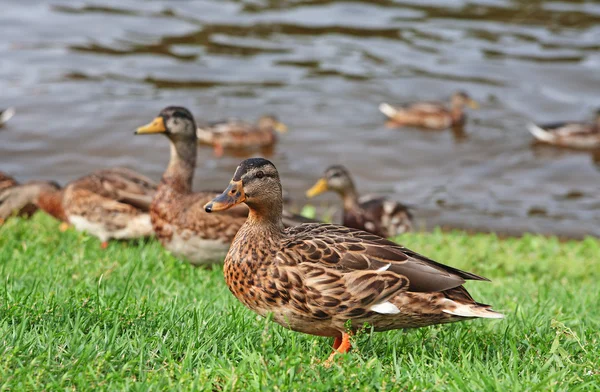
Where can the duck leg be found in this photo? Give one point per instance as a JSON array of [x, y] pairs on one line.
[[104, 245], [341, 345]]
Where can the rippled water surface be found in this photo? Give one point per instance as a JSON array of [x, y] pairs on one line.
[[84, 74]]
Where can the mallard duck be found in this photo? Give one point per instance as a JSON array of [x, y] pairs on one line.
[[109, 203], [430, 115], [377, 215], [20, 199], [572, 134], [237, 134], [6, 115], [329, 280], [178, 216]]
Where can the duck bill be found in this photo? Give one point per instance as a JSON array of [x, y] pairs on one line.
[[156, 126], [473, 104], [318, 188], [281, 127], [232, 196]]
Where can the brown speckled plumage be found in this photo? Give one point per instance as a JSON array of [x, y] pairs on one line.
[[110, 203], [429, 115], [377, 215], [314, 278]]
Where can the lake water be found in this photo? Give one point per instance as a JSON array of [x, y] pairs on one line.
[[83, 75]]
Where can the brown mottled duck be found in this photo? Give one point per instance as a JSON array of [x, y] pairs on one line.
[[329, 280]]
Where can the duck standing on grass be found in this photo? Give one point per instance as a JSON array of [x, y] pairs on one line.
[[430, 115], [377, 215], [109, 203], [20, 199], [241, 135], [330, 280], [572, 134], [178, 216]]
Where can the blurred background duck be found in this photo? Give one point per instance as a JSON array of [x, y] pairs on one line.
[[108, 204], [570, 134], [430, 115], [375, 214], [5, 115], [20, 199], [177, 213], [236, 134], [330, 280], [178, 216]]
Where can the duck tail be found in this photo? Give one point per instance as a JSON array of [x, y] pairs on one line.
[[388, 110], [471, 310], [458, 302], [7, 115], [539, 133]]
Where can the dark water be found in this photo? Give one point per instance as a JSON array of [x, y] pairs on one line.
[[84, 74]]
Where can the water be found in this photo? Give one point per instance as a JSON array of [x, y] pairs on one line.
[[83, 75]]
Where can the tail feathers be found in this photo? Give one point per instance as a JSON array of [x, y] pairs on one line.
[[7, 115], [388, 110], [471, 310], [540, 133]]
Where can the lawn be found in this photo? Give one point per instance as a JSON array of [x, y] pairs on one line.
[[74, 316]]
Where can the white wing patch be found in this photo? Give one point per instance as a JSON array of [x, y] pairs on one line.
[[385, 308], [384, 268]]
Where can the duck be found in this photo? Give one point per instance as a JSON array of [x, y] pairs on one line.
[[378, 215], [570, 134], [177, 214], [6, 114], [430, 115], [20, 199], [108, 204], [236, 134], [180, 222], [329, 280]]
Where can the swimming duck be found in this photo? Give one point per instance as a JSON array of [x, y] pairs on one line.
[[377, 215], [237, 134], [329, 280], [430, 115], [109, 203], [572, 134], [6, 115]]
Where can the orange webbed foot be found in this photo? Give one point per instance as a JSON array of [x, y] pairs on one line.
[[63, 227], [104, 244], [341, 345]]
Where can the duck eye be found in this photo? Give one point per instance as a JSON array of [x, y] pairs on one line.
[[260, 174]]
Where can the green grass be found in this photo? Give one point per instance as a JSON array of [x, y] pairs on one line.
[[133, 317]]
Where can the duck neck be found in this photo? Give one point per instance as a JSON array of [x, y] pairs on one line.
[[457, 112], [180, 172], [50, 201], [349, 197], [264, 222]]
